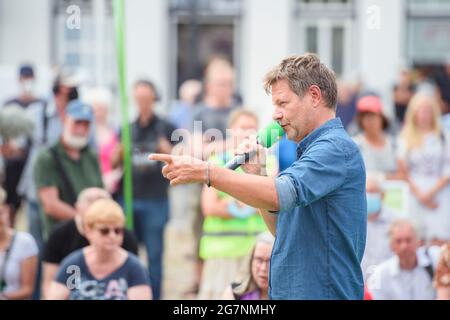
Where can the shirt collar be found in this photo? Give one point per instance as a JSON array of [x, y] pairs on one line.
[[314, 135], [153, 121]]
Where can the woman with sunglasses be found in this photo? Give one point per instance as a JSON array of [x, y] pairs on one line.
[[102, 270]]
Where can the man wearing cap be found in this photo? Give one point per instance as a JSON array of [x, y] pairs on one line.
[[48, 118], [62, 171], [26, 85]]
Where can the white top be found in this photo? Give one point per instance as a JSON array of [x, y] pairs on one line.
[[382, 159], [431, 160], [24, 246], [389, 282], [426, 166], [377, 243]]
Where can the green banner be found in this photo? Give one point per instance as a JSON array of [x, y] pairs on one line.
[[119, 23]]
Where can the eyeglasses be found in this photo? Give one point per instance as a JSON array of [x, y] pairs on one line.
[[259, 261], [106, 231]]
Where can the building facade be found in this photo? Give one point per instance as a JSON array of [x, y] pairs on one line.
[[169, 41]]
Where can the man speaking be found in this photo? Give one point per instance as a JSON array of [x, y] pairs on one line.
[[316, 207]]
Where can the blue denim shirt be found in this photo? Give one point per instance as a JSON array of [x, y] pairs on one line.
[[321, 227]]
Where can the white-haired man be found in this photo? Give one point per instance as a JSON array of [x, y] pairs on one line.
[[409, 274]]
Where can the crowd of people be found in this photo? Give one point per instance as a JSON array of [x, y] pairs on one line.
[[67, 178]]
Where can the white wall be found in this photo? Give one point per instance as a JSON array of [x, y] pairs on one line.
[[265, 37], [146, 45], [25, 31], [381, 51], [24, 37]]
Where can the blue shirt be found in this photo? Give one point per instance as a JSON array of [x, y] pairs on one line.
[[74, 273], [321, 226]]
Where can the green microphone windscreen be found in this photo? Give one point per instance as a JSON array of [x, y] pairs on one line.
[[270, 134]]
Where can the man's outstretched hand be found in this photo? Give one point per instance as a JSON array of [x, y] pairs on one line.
[[182, 169]]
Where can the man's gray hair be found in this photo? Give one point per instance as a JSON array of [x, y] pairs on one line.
[[301, 72], [402, 223], [265, 237], [90, 195]]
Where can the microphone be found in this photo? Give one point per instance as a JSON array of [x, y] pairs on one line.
[[266, 137]]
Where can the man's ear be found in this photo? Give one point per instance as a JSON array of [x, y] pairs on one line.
[[316, 95]]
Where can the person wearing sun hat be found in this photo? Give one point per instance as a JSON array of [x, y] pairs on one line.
[[68, 167], [376, 146], [372, 104]]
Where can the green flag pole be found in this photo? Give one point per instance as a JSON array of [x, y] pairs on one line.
[[119, 22]]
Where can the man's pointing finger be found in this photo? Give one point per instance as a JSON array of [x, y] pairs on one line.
[[161, 157]]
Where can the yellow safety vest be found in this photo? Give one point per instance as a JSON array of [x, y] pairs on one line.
[[230, 237]]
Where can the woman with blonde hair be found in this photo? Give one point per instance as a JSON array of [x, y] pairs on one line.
[[424, 162], [102, 270]]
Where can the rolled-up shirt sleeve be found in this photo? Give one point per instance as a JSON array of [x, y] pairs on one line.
[[287, 196], [318, 172]]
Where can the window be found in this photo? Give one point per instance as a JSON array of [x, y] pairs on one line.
[[428, 5], [89, 48], [326, 28], [428, 31], [201, 29], [337, 49], [311, 39], [327, 7], [230, 7]]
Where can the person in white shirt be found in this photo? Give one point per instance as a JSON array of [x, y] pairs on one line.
[[409, 274], [18, 259], [378, 221]]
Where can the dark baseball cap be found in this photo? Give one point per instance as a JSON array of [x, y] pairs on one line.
[[26, 71]]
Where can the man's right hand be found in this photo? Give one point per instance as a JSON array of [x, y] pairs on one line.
[[257, 164]]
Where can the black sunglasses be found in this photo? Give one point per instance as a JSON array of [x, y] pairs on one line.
[[106, 231]]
